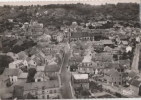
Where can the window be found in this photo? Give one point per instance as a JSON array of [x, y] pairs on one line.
[[50, 91], [55, 91], [39, 80], [43, 88], [43, 97], [47, 96]]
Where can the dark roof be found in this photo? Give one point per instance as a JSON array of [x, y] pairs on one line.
[[105, 57], [52, 68], [132, 74], [88, 33], [76, 58], [112, 73], [136, 83]]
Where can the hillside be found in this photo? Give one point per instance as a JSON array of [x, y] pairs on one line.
[[60, 14]]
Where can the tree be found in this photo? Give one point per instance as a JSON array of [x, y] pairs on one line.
[[4, 62], [31, 74]]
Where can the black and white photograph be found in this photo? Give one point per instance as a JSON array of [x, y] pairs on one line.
[[74, 49]]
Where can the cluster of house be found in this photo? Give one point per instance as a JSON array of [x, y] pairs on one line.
[[78, 32], [45, 84], [102, 59]]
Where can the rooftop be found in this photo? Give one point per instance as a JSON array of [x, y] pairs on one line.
[[23, 75], [80, 76], [39, 85], [12, 72]]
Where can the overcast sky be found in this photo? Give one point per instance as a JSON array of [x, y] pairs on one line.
[[35, 2]]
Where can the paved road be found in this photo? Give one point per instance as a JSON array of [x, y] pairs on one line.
[[65, 79], [135, 62]]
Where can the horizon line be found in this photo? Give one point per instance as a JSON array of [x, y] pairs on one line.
[[90, 2]]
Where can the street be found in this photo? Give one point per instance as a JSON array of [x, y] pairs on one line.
[[65, 79], [135, 62]]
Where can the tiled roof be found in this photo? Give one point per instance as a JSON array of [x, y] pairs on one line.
[[105, 57], [80, 76], [12, 72], [112, 72], [136, 83], [39, 85], [52, 68], [106, 41], [23, 75], [40, 68]]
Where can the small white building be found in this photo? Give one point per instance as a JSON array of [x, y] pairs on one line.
[[128, 49], [16, 64]]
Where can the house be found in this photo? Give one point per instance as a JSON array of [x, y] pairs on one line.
[[51, 70], [135, 86], [113, 77], [103, 57], [98, 46], [39, 90], [90, 68], [12, 74], [60, 37], [31, 62], [124, 43], [40, 68], [107, 49], [107, 42], [23, 77], [75, 60], [80, 80], [16, 64], [12, 55], [22, 55], [87, 34], [40, 76], [128, 49], [138, 39], [45, 38], [4, 80]]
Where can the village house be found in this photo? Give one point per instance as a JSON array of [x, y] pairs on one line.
[[88, 34], [103, 57], [98, 46], [80, 80], [93, 68], [40, 76], [13, 55], [135, 87], [52, 71], [74, 62], [22, 55], [113, 77], [107, 49], [40, 90], [40, 68], [18, 64], [4, 80], [59, 37], [22, 77], [12, 74], [31, 62], [107, 43]]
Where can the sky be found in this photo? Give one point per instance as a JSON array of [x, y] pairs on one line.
[[46, 2]]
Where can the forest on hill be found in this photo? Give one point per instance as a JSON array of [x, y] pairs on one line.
[[63, 14]]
